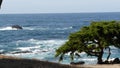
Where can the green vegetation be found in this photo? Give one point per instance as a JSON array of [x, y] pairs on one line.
[[92, 40]]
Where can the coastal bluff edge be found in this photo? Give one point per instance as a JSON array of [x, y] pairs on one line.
[[14, 62]]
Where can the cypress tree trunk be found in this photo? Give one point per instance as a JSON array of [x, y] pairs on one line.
[[100, 61]]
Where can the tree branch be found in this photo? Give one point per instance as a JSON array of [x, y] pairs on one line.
[[109, 53]]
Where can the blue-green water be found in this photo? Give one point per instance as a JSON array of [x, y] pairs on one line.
[[42, 34]]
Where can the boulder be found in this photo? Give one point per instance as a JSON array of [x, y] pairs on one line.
[[16, 27], [116, 61]]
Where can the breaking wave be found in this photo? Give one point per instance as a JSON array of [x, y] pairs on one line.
[[7, 28], [33, 48], [43, 50], [47, 28]]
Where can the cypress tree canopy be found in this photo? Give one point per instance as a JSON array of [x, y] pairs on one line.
[[92, 40]]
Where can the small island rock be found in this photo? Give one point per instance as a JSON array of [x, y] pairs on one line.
[[16, 27]]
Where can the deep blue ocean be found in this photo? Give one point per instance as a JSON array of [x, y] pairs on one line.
[[42, 34]]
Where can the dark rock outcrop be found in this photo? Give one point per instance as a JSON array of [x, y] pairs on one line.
[[22, 52], [116, 61], [16, 27], [77, 63]]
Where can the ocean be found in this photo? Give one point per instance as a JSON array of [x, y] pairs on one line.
[[42, 34]]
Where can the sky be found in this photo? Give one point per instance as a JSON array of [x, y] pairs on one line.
[[59, 6]]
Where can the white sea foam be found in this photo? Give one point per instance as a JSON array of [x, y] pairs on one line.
[[47, 28], [112, 47], [28, 28], [89, 60], [44, 50], [36, 28], [39, 46], [64, 28], [7, 28], [28, 48], [10, 28], [1, 50], [39, 49]]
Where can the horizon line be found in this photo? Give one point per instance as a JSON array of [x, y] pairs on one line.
[[59, 13]]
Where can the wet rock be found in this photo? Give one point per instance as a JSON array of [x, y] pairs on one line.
[[116, 61], [106, 62], [77, 63], [22, 52], [16, 27]]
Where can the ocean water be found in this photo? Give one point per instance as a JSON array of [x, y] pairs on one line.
[[42, 34]]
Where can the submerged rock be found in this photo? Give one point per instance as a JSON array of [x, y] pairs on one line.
[[22, 52], [16, 27]]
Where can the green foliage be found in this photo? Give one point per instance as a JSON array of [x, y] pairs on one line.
[[92, 39]]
